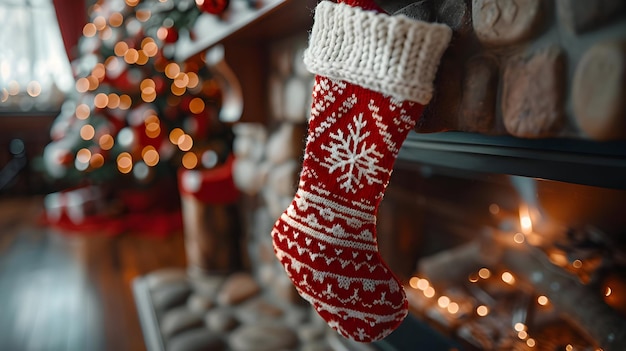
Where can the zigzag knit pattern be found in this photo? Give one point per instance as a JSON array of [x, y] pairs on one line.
[[366, 99]]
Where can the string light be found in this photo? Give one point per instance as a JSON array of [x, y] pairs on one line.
[[508, 278], [190, 160], [124, 162], [443, 301], [519, 238], [101, 100], [150, 156], [484, 273], [175, 135], [519, 326], [116, 19], [542, 300], [429, 292], [120, 48], [87, 132], [413, 282], [82, 111], [96, 161], [106, 142], [577, 264], [82, 85], [89, 30], [482, 310], [196, 106], [453, 307], [185, 142]]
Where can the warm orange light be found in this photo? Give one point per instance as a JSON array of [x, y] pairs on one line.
[[82, 85], [543, 300], [94, 82], [482, 310], [150, 156], [153, 130], [185, 142], [98, 71], [147, 83], [494, 209], [423, 284], [114, 101], [181, 80], [508, 278], [443, 301], [193, 80], [106, 142], [124, 162], [175, 135], [148, 96], [172, 70], [519, 326], [125, 102], [519, 238], [101, 100], [97, 161], [526, 224], [522, 334], [143, 15], [82, 111], [142, 59], [531, 342], [577, 264], [87, 132], [190, 160], [608, 291], [150, 49], [83, 155], [132, 3], [453, 307], [196, 105], [89, 30], [116, 19], [429, 292], [121, 48], [473, 278], [131, 56], [100, 22], [413, 282], [177, 91], [484, 273]]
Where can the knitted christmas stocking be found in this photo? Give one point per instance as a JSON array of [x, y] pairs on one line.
[[374, 74]]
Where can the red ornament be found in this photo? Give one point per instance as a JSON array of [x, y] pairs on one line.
[[214, 7], [171, 35]]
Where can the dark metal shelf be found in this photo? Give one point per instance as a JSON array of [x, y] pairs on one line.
[[601, 164]]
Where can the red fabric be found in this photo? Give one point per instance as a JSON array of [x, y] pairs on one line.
[[326, 239], [72, 17], [152, 212], [364, 4], [217, 186], [159, 223]]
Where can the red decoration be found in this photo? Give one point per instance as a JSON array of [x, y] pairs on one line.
[[171, 35], [214, 7]]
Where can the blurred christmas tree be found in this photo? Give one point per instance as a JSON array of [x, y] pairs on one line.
[[136, 114]]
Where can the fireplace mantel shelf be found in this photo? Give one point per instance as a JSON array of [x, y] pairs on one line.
[[577, 161]]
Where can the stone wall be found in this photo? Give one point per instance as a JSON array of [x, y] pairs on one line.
[[530, 68]]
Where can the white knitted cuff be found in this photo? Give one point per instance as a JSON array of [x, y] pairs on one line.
[[393, 55]]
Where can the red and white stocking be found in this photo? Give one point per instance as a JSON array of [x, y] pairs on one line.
[[374, 74]]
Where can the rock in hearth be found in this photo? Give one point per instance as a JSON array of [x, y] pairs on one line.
[[259, 337], [207, 285], [163, 277], [199, 303], [257, 310], [170, 295], [199, 339], [220, 319], [237, 288], [178, 320]]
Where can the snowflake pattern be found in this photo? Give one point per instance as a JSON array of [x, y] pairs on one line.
[[351, 155]]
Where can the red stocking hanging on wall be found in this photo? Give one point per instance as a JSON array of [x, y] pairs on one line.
[[374, 74]]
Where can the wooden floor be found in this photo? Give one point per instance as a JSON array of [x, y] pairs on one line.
[[72, 292]]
